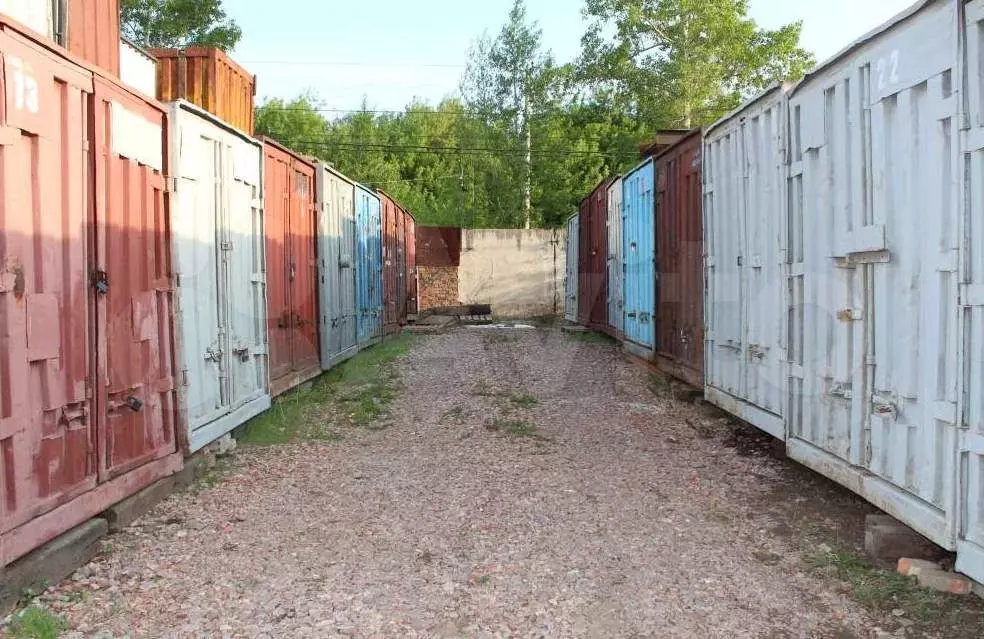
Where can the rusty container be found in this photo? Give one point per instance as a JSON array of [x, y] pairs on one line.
[[395, 254], [679, 261], [593, 259], [411, 253], [206, 76], [88, 410], [94, 32], [292, 268]]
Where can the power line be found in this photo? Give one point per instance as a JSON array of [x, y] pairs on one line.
[[353, 146], [359, 63]]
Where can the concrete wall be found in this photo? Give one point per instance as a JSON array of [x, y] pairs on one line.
[[519, 272]]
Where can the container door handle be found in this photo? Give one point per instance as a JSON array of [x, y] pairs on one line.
[[293, 271]]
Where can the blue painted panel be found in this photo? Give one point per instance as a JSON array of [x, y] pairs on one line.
[[639, 254], [369, 265]]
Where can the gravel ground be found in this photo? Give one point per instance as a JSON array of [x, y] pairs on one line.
[[597, 511]]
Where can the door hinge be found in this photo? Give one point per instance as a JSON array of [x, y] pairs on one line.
[[100, 282], [171, 184]]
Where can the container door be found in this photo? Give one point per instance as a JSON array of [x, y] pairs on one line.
[[347, 261], [330, 221], [401, 267], [133, 251], [759, 261], [912, 406], [411, 266], [571, 281], [244, 255], [970, 542], [303, 274], [614, 266], [376, 285], [196, 212], [363, 267], [276, 197], [47, 417], [639, 255]]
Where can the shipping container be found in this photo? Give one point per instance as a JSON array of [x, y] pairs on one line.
[[639, 258], [873, 245], [219, 263], [593, 259], [337, 266], [369, 265], [744, 240], [969, 439], [88, 410], [138, 69], [680, 261], [571, 281], [411, 267], [94, 32], [615, 267], [396, 221], [206, 76], [292, 267]]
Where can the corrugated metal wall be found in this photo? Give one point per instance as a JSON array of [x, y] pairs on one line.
[[396, 267], [219, 250], [571, 281], [593, 259], [292, 268], [337, 263], [873, 242], [639, 254], [208, 77], [94, 32], [369, 265], [411, 253], [680, 261], [744, 234], [615, 267]]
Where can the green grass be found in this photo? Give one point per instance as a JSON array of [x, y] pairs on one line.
[[878, 589], [523, 401], [36, 623], [515, 428], [591, 337], [519, 400], [355, 393]]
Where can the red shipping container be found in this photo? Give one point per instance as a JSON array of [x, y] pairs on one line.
[[397, 223], [87, 381], [292, 268], [411, 265], [592, 258], [94, 32], [680, 261]]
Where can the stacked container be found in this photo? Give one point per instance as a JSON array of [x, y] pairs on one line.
[[639, 258], [88, 406], [292, 268], [398, 237], [337, 266], [219, 259], [615, 267], [680, 261], [369, 266]]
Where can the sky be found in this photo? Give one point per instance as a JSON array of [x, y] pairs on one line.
[[395, 51]]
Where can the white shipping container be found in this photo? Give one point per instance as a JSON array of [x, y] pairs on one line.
[[39, 15], [616, 274], [744, 234], [336, 266], [138, 69], [571, 278], [219, 264]]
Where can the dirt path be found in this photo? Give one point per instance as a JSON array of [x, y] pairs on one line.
[[528, 484]]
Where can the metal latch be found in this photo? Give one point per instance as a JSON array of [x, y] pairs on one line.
[[226, 246], [100, 282], [732, 345], [134, 403], [883, 407], [841, 390], [242, 353], [213, 354], [757, 351]]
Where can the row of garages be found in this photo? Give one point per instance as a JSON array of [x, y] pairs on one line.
[[163, 274], [813, 261]]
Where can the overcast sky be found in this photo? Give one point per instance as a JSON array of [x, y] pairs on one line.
[[392, 51]]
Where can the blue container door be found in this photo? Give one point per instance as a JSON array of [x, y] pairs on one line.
[[368, 274], [639, 254]]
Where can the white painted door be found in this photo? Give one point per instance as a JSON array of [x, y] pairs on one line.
[[196, 210], [970, 438], [570, 281]]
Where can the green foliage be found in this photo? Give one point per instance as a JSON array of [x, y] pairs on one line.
[[178, 23], [36, 623], [646, 65], [681, 63], [355, 393]]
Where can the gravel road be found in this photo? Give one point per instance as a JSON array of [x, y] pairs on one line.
[[527, 483]]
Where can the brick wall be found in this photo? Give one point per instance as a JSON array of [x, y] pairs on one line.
[[437, 286]]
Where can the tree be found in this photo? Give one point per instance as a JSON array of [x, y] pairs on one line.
[[178, 23], [679, 63], [509, 80], [296, 123]]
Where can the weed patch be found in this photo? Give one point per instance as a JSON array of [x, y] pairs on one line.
[[36, 623], [591, 337], [456, 416], [355, 393]]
